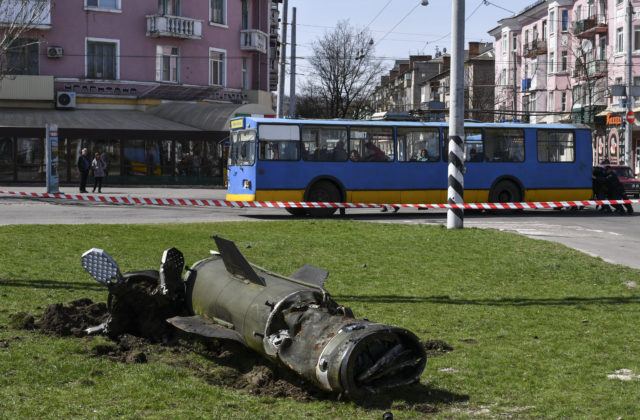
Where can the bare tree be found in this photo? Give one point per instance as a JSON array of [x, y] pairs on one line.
[[17, 18], [344, 71]]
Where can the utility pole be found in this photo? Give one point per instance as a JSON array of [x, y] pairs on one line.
[[283, 60], [292, 76], [515, 87], [628, 133], [455, 171]]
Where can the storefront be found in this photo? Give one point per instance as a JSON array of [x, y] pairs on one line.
[[139, 147]]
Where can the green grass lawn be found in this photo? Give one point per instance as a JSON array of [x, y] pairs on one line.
[[535, 327]]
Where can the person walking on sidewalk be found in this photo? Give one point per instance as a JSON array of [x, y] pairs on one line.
[[84, 164], [99, 167]]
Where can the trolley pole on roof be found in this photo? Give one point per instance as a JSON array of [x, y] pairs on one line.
[[456, 118]]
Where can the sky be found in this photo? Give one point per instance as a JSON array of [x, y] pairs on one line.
[[399, 27]]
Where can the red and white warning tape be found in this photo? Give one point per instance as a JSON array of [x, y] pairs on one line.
[[311, 205]]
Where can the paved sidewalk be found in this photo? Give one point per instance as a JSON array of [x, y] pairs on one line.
[[212, 193]]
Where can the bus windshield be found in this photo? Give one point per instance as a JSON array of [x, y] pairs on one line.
[[242, 151]]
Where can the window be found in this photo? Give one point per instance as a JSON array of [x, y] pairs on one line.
[[245, 14], [526, 38], [278, 142], [636, 80], [620, 40], [245, 73], [503, 145], [544, 30], [564, 61], [636, 38], [418, 145], [565, 20], [103, 4], [167, 60], [514, 41], [505, 42], [242, 150], [22, 57], [552, 22], [217, 67], [603, 48], [324, 143], [102, 59], [169, 7], [563, 103], [552, 63], [503, 77], [473, 144], [579, 13], [556, 146], [219, 12], [534, 36], [550, 101], [371, 144]]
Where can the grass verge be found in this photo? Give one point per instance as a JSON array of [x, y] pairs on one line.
[[535, 327]]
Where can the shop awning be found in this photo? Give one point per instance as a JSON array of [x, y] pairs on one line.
[[611, 110], [84, 119], [208, 117]]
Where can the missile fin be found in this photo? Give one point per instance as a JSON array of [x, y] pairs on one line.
[[235, 262], [205, 327], [311, 274]]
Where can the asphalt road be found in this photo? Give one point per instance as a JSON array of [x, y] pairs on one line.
[[615, 239]]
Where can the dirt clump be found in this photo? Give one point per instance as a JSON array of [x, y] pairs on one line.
[[72, 319], [436, 348], [22, 321]]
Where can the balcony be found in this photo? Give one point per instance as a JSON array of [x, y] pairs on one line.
[[253, 40], [534, 48], [592, 69], [174, 27], [587, 28]]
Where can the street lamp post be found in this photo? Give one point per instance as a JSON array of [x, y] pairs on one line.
[[455, 171]]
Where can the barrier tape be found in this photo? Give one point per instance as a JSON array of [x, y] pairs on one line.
[[313, 205]]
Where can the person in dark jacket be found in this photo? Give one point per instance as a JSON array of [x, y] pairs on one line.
[[84, 164], [600, 190], [616, 191]]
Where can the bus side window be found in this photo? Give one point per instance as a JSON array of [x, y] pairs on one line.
[[504, 145], [418, 145], [324, 144], [473, 147], [371, 144], [278, 142], [556, 146]]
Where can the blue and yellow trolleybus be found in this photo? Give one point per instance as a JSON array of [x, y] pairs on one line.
[[404, 162]]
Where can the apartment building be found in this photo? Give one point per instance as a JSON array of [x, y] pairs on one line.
[[561, 61], [420, 86], [127, 78]]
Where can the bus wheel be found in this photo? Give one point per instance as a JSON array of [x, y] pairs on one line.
[[296, 212], [323, 191], [505, 192]]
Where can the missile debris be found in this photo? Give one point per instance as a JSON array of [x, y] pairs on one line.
[[291, 320]]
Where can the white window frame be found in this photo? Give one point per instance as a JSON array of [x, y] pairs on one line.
[[106, 41], [552, 22], [245, 73], [564, 57], [564, 13], [160, 56], [223, 67], [550, 101], [563, 101], [619, 40], [552, 64], [225, 8], [98, 8]]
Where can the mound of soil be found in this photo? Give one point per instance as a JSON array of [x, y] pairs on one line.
[[72, 319]]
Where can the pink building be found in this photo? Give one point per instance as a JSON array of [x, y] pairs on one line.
[[558, 61], [150, 83]]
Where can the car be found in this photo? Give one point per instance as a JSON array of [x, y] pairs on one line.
[[628, 179]]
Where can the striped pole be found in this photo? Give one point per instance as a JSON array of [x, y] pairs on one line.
[[455, 171]]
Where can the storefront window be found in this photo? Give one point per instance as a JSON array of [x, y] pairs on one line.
[[6, 159], [30, 159]]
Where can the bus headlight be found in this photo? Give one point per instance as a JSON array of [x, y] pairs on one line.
[[246, 184]]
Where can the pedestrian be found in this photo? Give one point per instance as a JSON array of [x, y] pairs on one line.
[[99, 167], [84, 164], [616, 191], [600, 187]]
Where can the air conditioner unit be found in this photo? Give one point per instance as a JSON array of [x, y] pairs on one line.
[[54, 52], [66, 100]]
